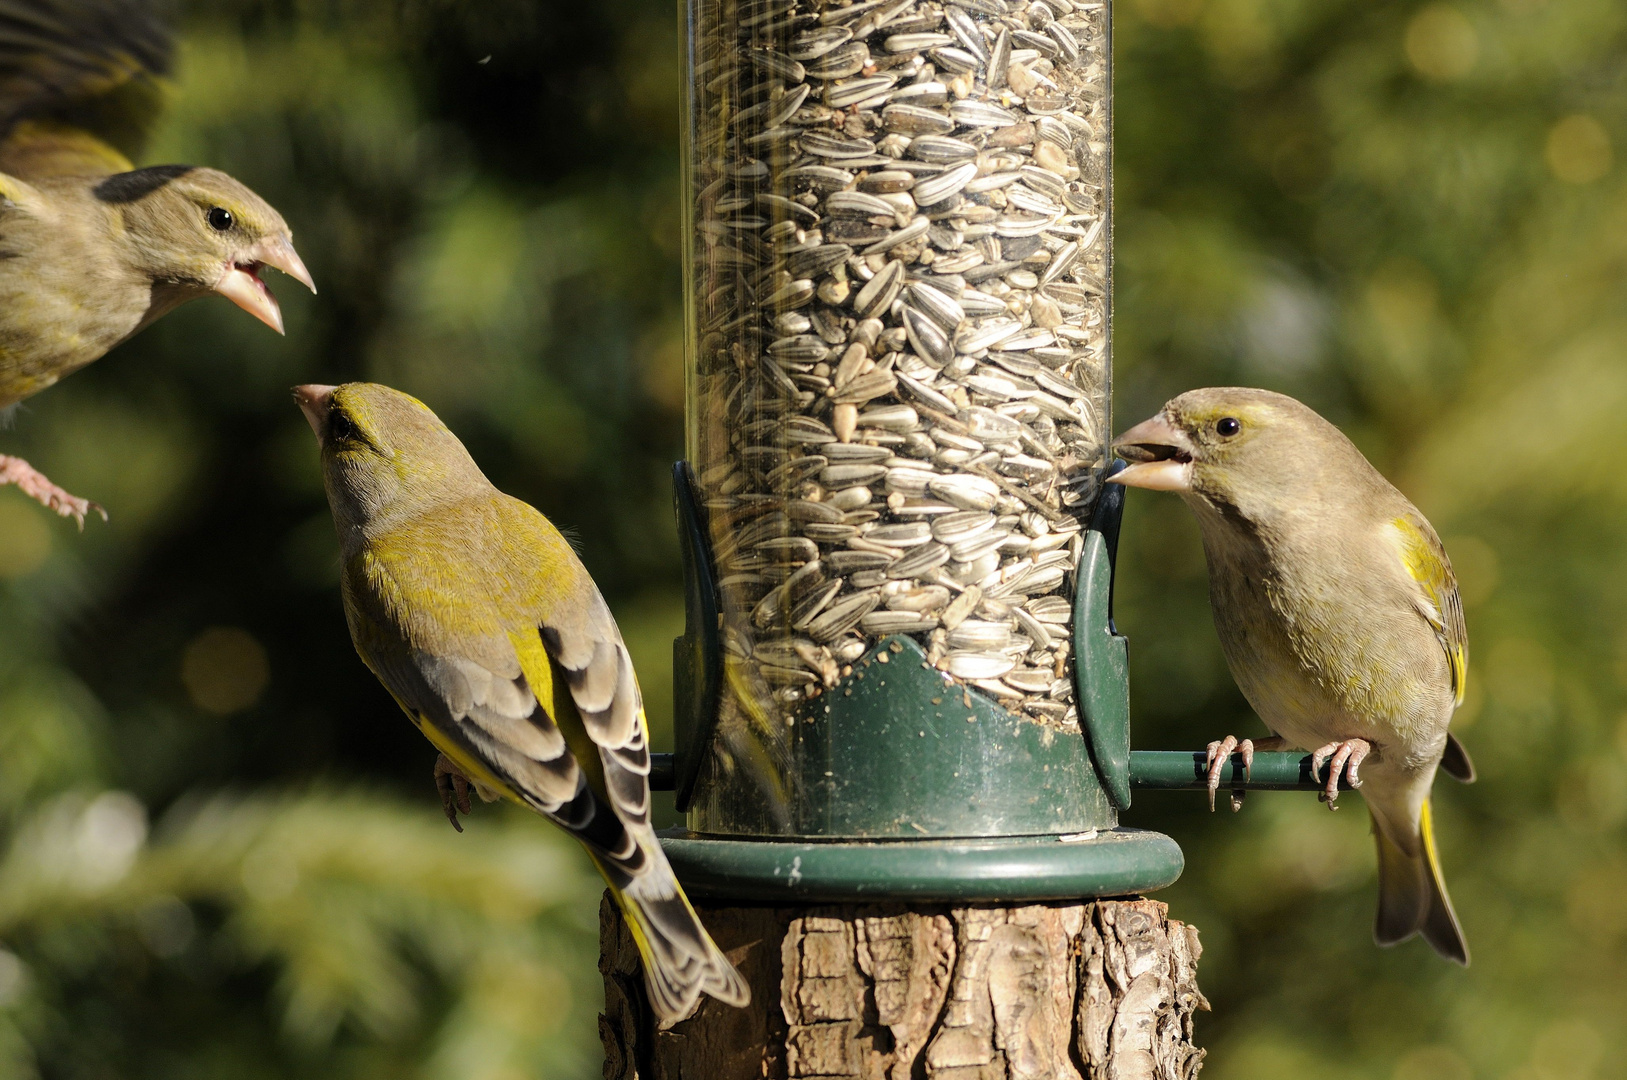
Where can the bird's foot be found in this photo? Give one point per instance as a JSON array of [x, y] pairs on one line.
[[1347, 758], [1222, 749], [454, 789], [33, 483]]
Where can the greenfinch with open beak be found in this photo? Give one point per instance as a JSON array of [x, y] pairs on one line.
[[1338, 614], [92, 249], [483, 624]]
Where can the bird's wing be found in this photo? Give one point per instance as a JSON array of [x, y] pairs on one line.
[[584, 647], [1437, 598], [81, 82], [472, 671]]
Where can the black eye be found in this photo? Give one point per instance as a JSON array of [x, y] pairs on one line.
[[220, 218], [1228, 426], [340, 427]]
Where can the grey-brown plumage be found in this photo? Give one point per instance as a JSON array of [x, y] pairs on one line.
[[93, 250], [1338, 614]]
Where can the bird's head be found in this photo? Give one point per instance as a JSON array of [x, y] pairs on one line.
[[385, 456], [203, 231], [1249, 450]]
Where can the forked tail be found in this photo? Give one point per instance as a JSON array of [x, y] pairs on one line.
[[680, 961], [1411, 894]]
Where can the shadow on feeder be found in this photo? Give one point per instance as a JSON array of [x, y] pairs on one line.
[[899, 784]]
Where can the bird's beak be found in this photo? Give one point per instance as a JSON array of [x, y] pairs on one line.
[[241, 282], [314, 400], [1160, 456]]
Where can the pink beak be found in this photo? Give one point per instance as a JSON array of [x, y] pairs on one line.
[[314, 400], [1160, 455], [241, 282]]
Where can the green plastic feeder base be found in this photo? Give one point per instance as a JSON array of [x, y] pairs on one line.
[[1018, 869]]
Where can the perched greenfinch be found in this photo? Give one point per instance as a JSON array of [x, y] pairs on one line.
[[92, 249], [1338, 614], [480, 620]]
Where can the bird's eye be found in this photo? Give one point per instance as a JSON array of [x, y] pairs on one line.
[[340, 427], [1228, 426], [220, 218]]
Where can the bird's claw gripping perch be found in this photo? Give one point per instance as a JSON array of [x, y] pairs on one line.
[[454, 789], [1222, 749], [1347, 758], [1219, 752], [33, 483]]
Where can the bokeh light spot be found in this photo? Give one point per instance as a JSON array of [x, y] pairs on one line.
[[25, 537], [1567, 1050], [1578, 150], [1441, 44], [224, 670], [13, 978]]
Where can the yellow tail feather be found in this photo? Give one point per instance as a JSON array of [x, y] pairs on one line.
[[1412, 896]]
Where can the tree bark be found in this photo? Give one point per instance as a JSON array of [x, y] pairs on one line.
[[1103, 990]]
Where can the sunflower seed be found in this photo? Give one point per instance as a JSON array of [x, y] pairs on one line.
[[977, 665], [843, 615], [966, 492], [919, 560], [843, 95], [897, 622], [905, 534], [924, 599], [840, 62], [1029, 680], [906, 119], [934, 189], [900, 375], [811, 44]]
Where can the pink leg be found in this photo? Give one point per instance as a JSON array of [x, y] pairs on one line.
[[454, 789], [33, 483], [1221, 749], [1347, 758]]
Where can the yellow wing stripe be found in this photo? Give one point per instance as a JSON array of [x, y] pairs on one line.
[[557, 702], [1426, 563]]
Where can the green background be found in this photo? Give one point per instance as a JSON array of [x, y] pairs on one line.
[[222, 850]]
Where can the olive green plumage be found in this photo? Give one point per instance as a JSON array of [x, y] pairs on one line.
[[93, 250], [481, 621], [1337, 611]]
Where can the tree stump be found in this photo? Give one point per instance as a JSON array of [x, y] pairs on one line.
[[1103, 990]]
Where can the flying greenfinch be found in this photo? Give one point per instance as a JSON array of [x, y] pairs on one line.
[[477, 616], [1338, 614], [93, 249]]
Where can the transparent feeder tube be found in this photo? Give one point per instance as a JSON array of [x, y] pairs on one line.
[[899, 367]]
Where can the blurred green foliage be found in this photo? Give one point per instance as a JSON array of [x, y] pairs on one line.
[[1410, 216], [223, 854]]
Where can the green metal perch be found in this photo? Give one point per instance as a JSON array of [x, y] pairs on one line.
[[1159, 770]]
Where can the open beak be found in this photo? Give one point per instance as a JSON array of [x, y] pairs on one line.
[[241, 282], [314, 400], [1160, 456]]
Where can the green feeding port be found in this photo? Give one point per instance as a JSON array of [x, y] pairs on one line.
[[897, 781]]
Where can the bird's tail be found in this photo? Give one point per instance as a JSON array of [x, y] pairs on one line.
[[1411, 893], [680, 960]]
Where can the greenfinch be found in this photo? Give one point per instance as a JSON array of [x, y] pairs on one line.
[[477, 616], [92, 249], [1338, 614]]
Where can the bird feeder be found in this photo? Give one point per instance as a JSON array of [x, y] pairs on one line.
[[900, 677]]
